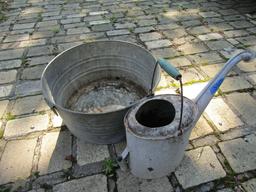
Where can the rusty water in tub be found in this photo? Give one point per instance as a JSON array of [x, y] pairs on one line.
[[105, 95]]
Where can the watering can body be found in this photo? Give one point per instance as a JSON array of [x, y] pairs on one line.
[[156, 151]]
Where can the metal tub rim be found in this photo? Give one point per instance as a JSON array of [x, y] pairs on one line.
[[55, 105]]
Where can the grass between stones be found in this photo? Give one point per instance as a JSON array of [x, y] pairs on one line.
[[9, 116], [109, 166]]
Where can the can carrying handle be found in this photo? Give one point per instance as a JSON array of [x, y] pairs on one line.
[[174, 73], [170, 69]]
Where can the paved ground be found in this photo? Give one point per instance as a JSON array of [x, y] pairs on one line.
[[37, 154]]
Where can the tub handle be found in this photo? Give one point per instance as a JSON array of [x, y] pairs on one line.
[[52, 106], [54, 110], [121, 160]]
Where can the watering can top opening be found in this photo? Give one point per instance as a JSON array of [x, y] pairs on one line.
[[105, 47], [158, 117]]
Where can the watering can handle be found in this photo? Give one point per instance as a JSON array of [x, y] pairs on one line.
[[174, 73], [169, 68]]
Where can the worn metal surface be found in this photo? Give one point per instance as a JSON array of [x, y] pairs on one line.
[[156, 152], [105, 95], [82, 65]]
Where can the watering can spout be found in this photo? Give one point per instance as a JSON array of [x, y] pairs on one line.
[[205, 96]]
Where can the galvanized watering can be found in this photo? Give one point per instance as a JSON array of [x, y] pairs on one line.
[[157, 132]]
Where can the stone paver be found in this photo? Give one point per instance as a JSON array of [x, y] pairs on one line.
[[11, 54], [37, 51], [127, 182], [3, 106], [90, 153], [143, 29], [206, 58], [210, 36], [118, 32], [252, 79], [28, 88], [103, 27], [158, 44], [2, 145], [31, 43], [23, 26], [14, 166], [190, 75], [180, 62], [201, 129], [10, 64], [222, 115], [14, 38], [46, 23], [241, 24], [147, 22], [27, 105], [209, 14], [235, 84], [235, 33], [150, 36], [169, 26], [199, 30], [247, 66], [247, 41], [249, 185], [192, 170], [57, 121], [99, 22], [8, 76], [40, 60], [218, 45], [192, 48], [5, 90], [176, 33], [24, 126], [42, 34], [209, 140], [240, 153], [193, 90], [124, 25], [245, 105], [95, 183], [55, 147], [165, 53], [228, 53], [212, 70], [33, 72], [78, 30]]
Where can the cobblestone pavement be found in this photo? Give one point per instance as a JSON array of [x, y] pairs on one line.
[[37, 153]]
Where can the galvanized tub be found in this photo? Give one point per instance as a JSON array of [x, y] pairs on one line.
[[94, 64]]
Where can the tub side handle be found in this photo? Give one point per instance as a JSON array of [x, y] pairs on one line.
[[122, 160]]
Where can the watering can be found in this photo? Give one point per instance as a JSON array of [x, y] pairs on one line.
[[158, 127]]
